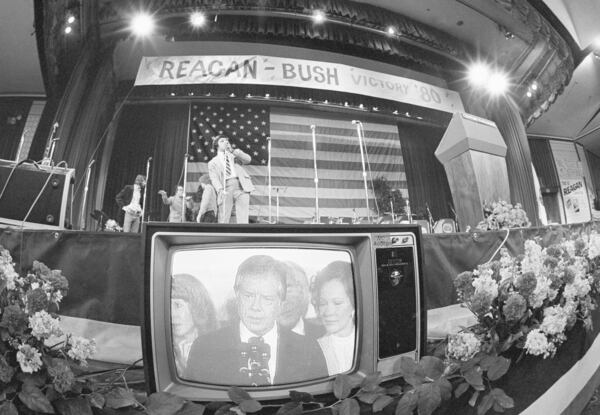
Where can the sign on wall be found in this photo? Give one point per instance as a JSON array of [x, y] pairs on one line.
[[577, 208], [269, 70]]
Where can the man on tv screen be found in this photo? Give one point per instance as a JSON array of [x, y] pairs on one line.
[[256, 350]]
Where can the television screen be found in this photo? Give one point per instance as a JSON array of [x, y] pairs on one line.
[[262, 316], [274, 308]]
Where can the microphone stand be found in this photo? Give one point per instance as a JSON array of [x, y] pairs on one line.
[[269, 178], [47, 161], [145, 190], [21, 145], [85, 192], [362, 159], [183, 201], [314, 143]]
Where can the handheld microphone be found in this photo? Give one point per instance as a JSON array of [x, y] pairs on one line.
[[149, 159], [91, 162], [356, 122]]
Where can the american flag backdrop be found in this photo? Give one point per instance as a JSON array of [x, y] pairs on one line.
[[341, 187]]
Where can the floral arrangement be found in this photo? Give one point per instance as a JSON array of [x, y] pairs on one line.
[[503, 215], [111, 225], [527, 303], [38, 361]]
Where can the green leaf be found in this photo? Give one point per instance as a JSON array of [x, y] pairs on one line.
[[473, 377], [409, 370], [120, 398], [191, 408], [224, 409], [432, 366], [250, 406], [96, 400], [382, 402], [163, 403], [502, 398], [75, 406], [408, 403], [473, 399], [486, 404], [341, 386], [301, 396], [368, 397], [371, 382], [237, 394], [497, 407], [8, 408], [33, 398], [290, 408], [445, 388], [499, 368], [429, 398], [30, 379], [460, 389], [349, 406], [394, 390]]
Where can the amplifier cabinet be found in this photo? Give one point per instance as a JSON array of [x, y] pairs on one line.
[[23, 184]]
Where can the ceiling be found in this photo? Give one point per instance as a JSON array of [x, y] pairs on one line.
[[575, 114]]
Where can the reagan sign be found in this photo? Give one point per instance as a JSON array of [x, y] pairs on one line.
[[268, 70]]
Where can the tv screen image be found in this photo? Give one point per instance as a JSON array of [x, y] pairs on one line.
[[262, 316], [274, 308]]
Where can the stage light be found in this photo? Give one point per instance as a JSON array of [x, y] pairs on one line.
[[232, 95], [142, 24], [70, 19], [375, 109], [326, 101], [267, 95], [172, 94], [391, 31], [479, 74], [361, 106], [529, 94], [318, 16], [497, 84], [534, 86], [197, 19], [395, 112], [68, 30]]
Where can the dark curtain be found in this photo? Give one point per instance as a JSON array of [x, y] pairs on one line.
[[154, 130], [425, 175], [518, 156], [545, 167], [13, 114]]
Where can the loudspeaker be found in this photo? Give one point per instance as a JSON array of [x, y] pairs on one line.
[[24, 183]]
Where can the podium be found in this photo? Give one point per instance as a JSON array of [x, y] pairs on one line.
[[473, 153]]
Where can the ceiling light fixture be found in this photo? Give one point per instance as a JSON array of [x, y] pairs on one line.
[[318, 16], [197, 19], [142, 24]]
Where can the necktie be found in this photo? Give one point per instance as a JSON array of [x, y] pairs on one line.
[[255, 361], [227, 166]]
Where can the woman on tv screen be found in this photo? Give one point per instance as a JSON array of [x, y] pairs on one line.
[[333, 299], [192, 314]]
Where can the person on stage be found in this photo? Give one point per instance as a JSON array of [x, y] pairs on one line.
[[175, 204], [230, 180], [130, 201], [208, 201]]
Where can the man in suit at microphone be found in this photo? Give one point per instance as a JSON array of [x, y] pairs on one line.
[[230, 180]]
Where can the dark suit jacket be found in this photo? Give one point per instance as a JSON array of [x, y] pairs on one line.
[[124, 197], [214, 358]]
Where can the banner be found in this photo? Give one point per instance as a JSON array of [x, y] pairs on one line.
[[577, 208], [269, 70]]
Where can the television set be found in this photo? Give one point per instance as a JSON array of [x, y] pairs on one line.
[[274, 308]]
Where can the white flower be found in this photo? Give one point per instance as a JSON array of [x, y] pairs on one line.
[[569, 246], [533, 260], [43, 325], [594, 246], [538, 345], [463, 346], [555, 320], [29, 358], [579, 288], [81, 349], [35, 285], [541, 292]]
